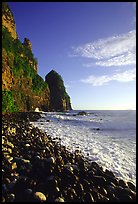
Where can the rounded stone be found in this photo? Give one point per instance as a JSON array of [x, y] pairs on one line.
[[59, 199], [28, 191], [131, 186], [87, 197], [122, 183], [11, 197], [40, 197], [14, 166]]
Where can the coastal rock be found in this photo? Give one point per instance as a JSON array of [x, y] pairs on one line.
[[82, 113], [39, 197], [8, 20], [131, 186], [22, 88], [45, 171], [60, 101], [59, 200]]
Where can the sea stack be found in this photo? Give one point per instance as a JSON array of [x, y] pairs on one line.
[[60, 100]]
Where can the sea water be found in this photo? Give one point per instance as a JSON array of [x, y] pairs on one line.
[[107, 137]]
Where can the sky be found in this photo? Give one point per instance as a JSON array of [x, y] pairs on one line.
[[92, 45]]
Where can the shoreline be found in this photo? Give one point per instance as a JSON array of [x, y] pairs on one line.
[[35, 168]]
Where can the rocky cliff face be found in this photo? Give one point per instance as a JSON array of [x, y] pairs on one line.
[[27, 43], [22, 88], [7, 75], [8, 20], [59, 99]]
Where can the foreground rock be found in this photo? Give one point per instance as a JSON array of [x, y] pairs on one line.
[[35, 168]]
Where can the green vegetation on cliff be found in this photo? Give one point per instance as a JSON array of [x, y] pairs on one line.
[[18, 60], [8, 103], [22, 88], [38, 84], [20, 54]]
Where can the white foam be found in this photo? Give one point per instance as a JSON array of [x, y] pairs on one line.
[[113, 148]]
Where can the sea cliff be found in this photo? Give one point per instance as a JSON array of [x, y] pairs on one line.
[[23, 89]]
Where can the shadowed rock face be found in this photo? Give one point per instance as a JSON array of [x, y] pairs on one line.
[[60, 101]]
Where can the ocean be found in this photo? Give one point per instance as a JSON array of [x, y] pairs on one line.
[[104, 136]]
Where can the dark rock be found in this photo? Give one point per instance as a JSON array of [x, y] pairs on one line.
[[3, 199], [59, 99], [82, 113], [111, 191], [99, 180], [87, 197], [11, 198], [122, 183], [110, 173], [131, 186], [48, 120], [79, 188], [59, 200], [103, 191], [97, 129], [51, 173], [114, 199]]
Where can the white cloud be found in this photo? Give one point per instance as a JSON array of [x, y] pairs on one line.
[[125, 59], [125, 76], [113, 51]]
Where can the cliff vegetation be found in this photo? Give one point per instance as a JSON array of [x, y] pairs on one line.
[[22, 88]]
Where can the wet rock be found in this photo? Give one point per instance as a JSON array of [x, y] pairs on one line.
[[79, 188], [87, 197], [59, 200], [114, 199], [111, 190], [28, 191], [95, 195], [110, 173], [39, 197], [33, 162], [27, 145], [99, 180], [50, 160], [7, 181], [82, 113], [51, 183], [122, 183], [48, 120], [131, 186], [14, 166], [103, 191], [11, 198], [3, 199]]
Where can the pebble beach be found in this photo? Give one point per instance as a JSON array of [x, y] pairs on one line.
[[37, 168]]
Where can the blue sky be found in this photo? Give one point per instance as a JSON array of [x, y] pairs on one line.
[[92, 45]]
